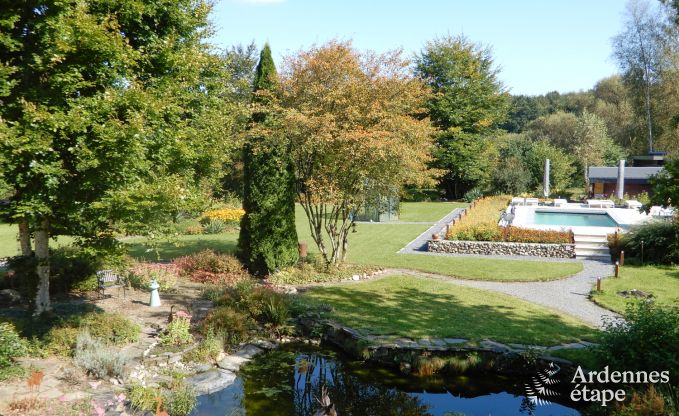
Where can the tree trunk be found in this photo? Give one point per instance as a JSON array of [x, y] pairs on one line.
[[25, 237], [42, 297]]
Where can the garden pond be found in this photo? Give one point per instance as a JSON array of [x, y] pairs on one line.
[[288, 381]]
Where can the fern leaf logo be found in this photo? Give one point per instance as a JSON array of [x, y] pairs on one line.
[[539, 390]]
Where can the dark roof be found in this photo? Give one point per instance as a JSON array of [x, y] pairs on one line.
[[632, 174]]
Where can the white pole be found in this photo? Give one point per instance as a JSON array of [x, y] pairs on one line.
[[620, 189], [545, 179]]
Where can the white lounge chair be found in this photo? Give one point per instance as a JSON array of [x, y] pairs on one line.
[[634, 204], [532, 201], [518, 201], [560, 202], [600, 203]]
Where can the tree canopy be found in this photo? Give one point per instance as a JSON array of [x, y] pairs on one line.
[[111, 116], [467, 102], [356, 129]]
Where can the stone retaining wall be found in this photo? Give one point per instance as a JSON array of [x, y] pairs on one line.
[[565, 251]]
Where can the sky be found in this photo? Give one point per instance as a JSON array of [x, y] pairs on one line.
[[539, 45]]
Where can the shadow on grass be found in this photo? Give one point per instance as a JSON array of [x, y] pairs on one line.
[[169, 250], [416, 313]]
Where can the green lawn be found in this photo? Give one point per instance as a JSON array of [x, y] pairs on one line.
[[8, 240], [427, 211], [660, 281], [9, 244], [420, 307], [183, 245], [377, 244]]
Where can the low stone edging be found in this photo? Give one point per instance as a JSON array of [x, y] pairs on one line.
[[566, 251], [403, 353]]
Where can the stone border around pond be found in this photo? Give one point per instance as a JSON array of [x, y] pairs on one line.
[[566, 251], [391, 351]]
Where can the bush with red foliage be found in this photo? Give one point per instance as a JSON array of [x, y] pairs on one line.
[[209, 266]]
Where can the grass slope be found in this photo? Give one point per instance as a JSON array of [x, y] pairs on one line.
[[419, 307], [660, 281]]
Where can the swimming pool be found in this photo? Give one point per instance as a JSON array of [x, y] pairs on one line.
[[574, 219]]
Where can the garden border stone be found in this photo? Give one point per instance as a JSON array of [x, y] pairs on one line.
[[565, 251]]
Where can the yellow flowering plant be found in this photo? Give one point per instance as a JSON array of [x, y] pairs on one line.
[[222, 214]]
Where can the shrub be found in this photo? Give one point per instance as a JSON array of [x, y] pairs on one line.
[[659, 238], [71, 269], [143, 399], [308, 272], [208, 349], [141, 274], [472, 195], [644, 402], [486, 210], [208, 266], [93, 356], [214, 227], [263, 304], [112, 328], [193, 230], [180, 400], [525, 235], [268, 306], [11, 345], [61, 341], [178, 332], [229, 323], [476, 232], [647, 339]]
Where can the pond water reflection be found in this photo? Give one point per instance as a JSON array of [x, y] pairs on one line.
[[286, 382]]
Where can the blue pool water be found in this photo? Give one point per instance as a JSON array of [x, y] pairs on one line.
[[574, 219]]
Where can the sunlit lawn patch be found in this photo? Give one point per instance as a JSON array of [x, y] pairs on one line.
[[420, 307], [660, 281]]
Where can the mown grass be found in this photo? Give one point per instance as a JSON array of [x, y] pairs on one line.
[[378, 244], [9, 244], [8, 240], [427, 211], [371, 244], [419, 307], [660, 281]]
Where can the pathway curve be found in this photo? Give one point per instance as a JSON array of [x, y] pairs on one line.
[[569, 295]]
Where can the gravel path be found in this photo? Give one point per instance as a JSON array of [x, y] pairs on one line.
[[569, 296]]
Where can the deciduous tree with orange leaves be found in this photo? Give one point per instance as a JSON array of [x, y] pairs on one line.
[[355, 125]]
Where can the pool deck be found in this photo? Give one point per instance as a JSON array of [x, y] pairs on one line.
[[624, 217]]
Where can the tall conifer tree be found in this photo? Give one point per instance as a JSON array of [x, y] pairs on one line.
[[268, 238]]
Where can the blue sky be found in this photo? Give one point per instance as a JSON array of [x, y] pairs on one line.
[[540, 45]]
